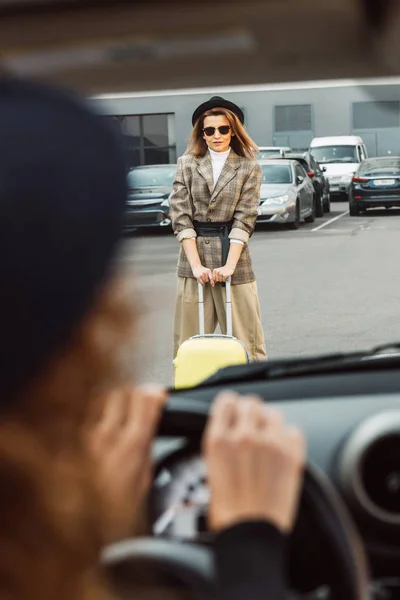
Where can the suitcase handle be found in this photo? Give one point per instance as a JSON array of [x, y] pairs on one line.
[[229, 328]]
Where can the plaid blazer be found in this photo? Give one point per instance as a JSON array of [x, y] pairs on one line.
[[236, 197]]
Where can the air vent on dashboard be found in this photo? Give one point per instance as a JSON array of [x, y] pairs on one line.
[[369, 467]]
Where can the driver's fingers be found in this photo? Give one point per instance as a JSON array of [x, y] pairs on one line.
[[146, 404], [274, 419], [295, 442], [115, 410], [222, 419]]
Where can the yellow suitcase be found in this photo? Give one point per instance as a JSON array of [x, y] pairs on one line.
[[202, 355]]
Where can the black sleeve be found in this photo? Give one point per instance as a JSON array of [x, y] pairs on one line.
[[250, 562]]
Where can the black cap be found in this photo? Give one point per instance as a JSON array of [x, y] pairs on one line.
[[62, 196], [217, 102]]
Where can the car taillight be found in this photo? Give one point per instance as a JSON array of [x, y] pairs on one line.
[[310, 173], [360, 179]]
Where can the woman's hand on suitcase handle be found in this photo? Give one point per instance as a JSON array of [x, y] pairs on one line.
[[223, 273], [254, 462], [204, 275]]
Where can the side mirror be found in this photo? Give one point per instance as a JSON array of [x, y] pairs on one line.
[[324, 169], [300, 179]]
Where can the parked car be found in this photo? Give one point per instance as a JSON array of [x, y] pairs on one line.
[[341, 155], [376, 183], [268, 151], [149, 190], [287, 194], [317, 176]]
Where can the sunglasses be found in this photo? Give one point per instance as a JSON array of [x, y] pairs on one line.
[[223, 130]]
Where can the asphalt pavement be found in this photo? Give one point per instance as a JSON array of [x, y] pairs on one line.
[[333, 285]]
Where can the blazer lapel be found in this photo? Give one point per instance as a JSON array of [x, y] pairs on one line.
[[227, 174], [204, 167]]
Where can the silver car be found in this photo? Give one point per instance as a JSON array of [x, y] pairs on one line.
[[267, 151], [287, 193]]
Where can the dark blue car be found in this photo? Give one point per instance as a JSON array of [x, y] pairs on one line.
[[376, 183]]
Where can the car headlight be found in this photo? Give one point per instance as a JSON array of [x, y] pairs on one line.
[[165, 203], [277, 200]]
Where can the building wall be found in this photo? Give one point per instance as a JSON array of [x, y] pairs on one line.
[[331, 112]]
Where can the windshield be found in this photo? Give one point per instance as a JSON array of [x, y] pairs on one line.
[[276, 174], [157, 177], [326, 265], [335, 154]]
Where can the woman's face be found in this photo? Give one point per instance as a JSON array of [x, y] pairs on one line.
[[217, 141]]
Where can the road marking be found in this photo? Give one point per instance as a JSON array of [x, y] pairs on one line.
[[330, 221]]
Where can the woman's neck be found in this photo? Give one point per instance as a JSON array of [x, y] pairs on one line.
[[216, 154]]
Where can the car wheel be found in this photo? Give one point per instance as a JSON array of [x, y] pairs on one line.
[[354, 210], [311, 218], [296, 222], [320, 207]]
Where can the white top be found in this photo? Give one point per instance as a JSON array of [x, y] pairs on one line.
[[218, 160]]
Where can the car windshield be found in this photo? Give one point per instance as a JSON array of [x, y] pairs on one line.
[[157, 177], [334, 253], [276, 174], [335, 154]]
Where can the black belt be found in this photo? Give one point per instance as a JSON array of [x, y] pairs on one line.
[[219, 229]]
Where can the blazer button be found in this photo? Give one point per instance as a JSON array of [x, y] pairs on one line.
[[206, 241]]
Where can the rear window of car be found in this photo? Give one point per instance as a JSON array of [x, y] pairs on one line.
[[158, 177], [380, 167], [276, 174], [268, 153]]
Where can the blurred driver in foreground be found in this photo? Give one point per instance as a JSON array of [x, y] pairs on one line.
[[75, 435]]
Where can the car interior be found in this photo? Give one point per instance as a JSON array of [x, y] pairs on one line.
[[347, 404]]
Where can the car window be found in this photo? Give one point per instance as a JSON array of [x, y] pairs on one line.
[[314, 165], [302, 162], [158, 177], [335, 154], [276, 174], [300, 172]]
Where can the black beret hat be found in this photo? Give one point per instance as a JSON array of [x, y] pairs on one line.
[[217, 102], [62, 196]]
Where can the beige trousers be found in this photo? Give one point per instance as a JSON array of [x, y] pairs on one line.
[[246, 315]]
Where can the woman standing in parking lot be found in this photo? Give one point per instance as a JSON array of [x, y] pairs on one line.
[[214, 207]]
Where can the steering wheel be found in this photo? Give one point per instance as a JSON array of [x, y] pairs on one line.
[[324, 528]]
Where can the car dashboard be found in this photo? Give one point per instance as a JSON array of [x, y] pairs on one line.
[[353, 438]]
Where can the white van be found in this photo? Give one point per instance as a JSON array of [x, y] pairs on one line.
[[340, 157]]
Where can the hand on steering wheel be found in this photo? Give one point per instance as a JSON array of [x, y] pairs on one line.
[[120, 444], [254, 462]]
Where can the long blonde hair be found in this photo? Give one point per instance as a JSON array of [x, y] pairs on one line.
[[241, 142]]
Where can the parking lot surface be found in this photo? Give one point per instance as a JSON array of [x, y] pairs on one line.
[[332, 285]]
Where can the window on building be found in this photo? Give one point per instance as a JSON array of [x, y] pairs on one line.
[[293, 118], [376, 115], [148, 139]]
